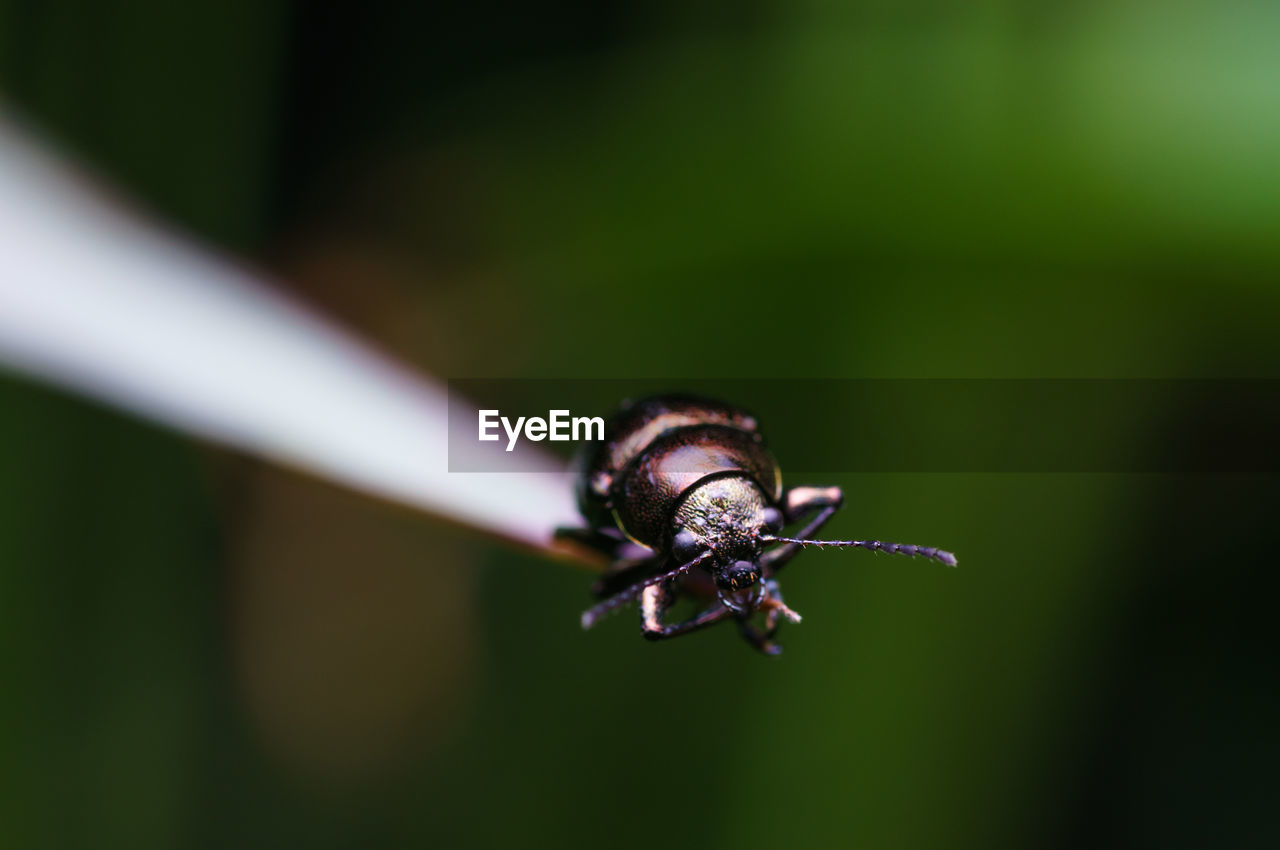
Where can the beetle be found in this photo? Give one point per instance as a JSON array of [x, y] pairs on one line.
[[685, 500]]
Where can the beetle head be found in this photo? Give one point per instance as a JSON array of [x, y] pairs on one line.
[[734, 565], [727, 515], [739, 585]]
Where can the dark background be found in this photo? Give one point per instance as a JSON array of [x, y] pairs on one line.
[[196, 650]]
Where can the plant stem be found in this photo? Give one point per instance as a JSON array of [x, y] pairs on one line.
[[94, 300]]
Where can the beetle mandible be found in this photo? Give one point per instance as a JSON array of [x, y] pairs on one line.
[[686, 501]]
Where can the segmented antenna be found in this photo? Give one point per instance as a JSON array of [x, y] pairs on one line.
[[874, 545], [592, 615]]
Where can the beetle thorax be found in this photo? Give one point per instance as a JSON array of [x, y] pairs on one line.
[[726, 515]]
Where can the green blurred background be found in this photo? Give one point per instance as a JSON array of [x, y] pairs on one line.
[[199, 651]]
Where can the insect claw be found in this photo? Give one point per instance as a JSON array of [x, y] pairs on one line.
[[789, 614]]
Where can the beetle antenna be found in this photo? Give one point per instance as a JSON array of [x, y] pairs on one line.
[[875, 545], [592, 615]]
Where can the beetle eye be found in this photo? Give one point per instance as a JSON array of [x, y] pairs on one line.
[[684, 547], [772, 520]]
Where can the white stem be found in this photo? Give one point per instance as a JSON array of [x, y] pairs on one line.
[[96, 301]]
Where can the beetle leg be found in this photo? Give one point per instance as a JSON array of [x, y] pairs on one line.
[[606, 541], [629, 562], [773, 607], [653, 604], [761, 640], [624, 573], [796, 504]]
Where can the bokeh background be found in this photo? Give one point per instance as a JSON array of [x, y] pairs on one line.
[[198, 650]]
